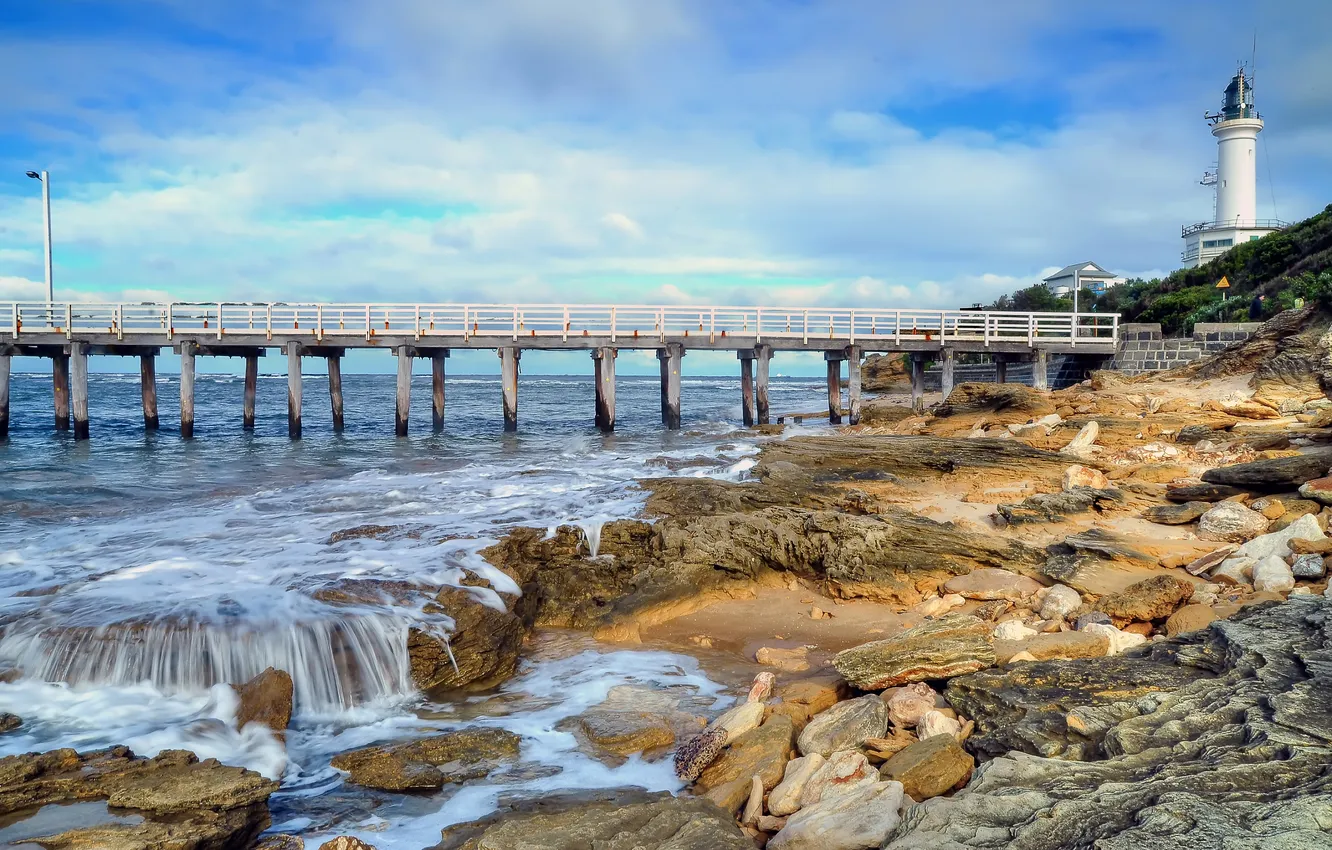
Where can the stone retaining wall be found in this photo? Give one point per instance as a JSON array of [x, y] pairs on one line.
[[1142, 348]]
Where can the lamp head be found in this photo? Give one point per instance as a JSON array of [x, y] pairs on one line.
[[34, 175]]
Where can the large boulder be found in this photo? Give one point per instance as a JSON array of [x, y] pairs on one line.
[[993, 583], [1275, 475], [1150, 599], [1231, 522], [762, 752], [266, 699], [845, 726], [1002, 404], [858, 820], [429, 763], [611, 819], [940, 649], [1234, 755], [929, 767]]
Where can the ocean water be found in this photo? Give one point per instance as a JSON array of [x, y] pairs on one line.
[[140, 572]]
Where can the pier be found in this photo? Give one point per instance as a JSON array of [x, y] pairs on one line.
[[68, 334]]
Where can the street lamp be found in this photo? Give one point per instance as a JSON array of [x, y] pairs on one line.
[[46, 206]]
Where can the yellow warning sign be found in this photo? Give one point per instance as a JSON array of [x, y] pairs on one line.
[[1223, 284]]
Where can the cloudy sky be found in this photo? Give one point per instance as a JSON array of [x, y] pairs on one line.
[[678, 151]]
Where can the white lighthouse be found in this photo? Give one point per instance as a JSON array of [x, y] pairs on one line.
[[1235, 220]]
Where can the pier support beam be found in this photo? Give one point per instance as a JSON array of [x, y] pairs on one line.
[[746, 387], [60, 388], [334, 362], [763, 359], [294, 390], [670, 357], [947, 380], [251, 391], [4, 394], [834, 359], [404, 404], [78, 375], [603, 360], [437, 358], [917, 382], [148, 390], [187, 390], [1000, 369], [509, 357], [853, 384], [1040, 370]]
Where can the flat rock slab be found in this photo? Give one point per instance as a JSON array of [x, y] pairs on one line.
[[949, 646], [1275, 475], [429, 763], [624, 733], [1202, 492], [1176, 514], [1151, 599], [845, 726], [991, 583]]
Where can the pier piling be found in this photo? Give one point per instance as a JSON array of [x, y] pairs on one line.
[[509, 356], [946, 375], [251, 390], [763, 358], [746, 387], [853, 384], [60, 388], [1000, 369], [670, 357], [294, 390], [603, 360], [4, 393], [78, 373], [917, 382], [404, 403], [148, 390], [1040, 370], [187, 390], [437, 358], [334, 362], [834, 359]]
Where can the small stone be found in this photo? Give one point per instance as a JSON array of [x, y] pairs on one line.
[[1092, 618], [740, 719], [845, 726], [937, 723], [754, 805], [908, 704], [841, 773], [9, 722], [1190, 618], [817, 613], [1308, 566], [929, 767], [1084, 441], [1175, 514], [1059, 602], [1150, 599], [1318, 490], [761, 690], [939, 605], [1013, 630], [1198, 566], [1119, 641], [785, 798], [1062, 645], [768, 823], [694, 755], [1234, 571], [1321, 546], [266, 699], [993, 583], [1081, 476], [789, 660], [1021, 656], [1270, 507], [761, 752], [346, 842], [1231, 522], [1272, 574]]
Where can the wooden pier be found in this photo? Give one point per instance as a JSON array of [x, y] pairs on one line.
[[68, 334]]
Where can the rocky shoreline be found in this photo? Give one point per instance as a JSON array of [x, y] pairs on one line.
[[1097, 617]]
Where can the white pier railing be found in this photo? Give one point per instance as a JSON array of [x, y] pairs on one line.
[[620, 323]]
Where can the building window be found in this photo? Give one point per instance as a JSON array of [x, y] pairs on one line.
[[1254, 238], [1218, 243]]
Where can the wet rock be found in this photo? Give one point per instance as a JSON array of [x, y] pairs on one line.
[[1176, 514], [483, 643], [940, 649], [1056, 507], [1059, 602], [1190, 618], [346, 842], [1201, 492], [1235, 758], [185, 803], [1077, 476], [841, 773], [624, 733], [910, 457], [762, 752], [266, 699], [1304, 566], [429, 763], [992, 583], [1275, 475], [1318, 490], [1231, 522], [908, 704], [845, 726], [855, 821], [790, 660], [280, 842], [785, 798], [1151, 599], [929, 767], [609, 819], [9, 722], [694, 755], [1272, 574], [739, 720], [760, 690]]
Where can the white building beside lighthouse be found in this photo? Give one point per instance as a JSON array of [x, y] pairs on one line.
[[1235, 220]]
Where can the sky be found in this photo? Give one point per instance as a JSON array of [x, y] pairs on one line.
[[783, 152]]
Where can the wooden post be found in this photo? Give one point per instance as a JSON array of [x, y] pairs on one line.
[[4, 394], [187, 390], [603, 360], [746, 387], [335, 389], [251, 390], [60, 386], [1040, 370], [294, 390], [148, 390], [78, 373], [509, 357], [947, 380], [917, 382], [670, 357], [437, 358], [834, 359], [763, 356], [404, 405], [1000, 369], [853, 384]]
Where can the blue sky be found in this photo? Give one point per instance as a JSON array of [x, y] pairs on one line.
[[650, 151]]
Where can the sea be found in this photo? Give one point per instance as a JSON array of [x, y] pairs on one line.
[[140, 573]]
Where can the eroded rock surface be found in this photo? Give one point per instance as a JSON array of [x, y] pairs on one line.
[[949, 646], [429, 763], [1235, 755]]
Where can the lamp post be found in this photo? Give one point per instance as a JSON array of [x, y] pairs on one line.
[[46, 207], [1077, 284]]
